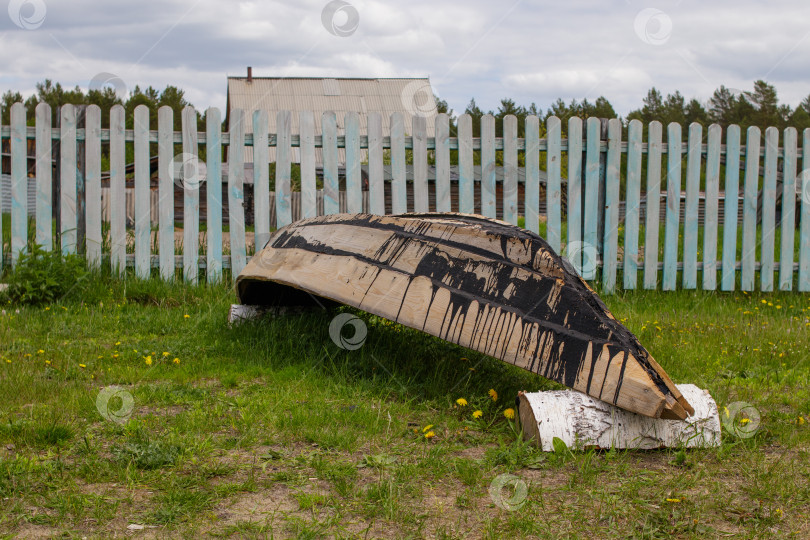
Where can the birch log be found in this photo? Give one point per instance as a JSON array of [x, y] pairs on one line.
[[582, 421]]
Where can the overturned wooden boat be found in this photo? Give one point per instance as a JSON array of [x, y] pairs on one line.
[[480, 283]]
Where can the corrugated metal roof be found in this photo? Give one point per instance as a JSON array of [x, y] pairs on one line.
[[409, 96]]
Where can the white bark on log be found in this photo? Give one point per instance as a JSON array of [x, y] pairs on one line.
[[582, 421]]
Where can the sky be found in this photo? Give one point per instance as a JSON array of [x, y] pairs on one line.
[[529, 50]]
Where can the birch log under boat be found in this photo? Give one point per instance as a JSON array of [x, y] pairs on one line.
[[481, 283]]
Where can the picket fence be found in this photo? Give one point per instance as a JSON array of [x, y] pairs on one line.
[[593, 161]]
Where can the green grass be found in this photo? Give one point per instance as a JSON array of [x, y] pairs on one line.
[[268, 429]]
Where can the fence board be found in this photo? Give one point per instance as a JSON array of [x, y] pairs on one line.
[[509, 202], [376, 186], [488, 187], [442, 163], [672, 231], [92, 177], [67, 178], [191, 195], [213, 190], [466, 185], [399, 194], [166, 192], [588, 251], [788, 211], [19, 182], [309, 207], [653, 195], [553, 185], [118, 214], [283, 163], [261, 177], [804, 244], [354, 185], [142, 217], [751, 185], [769, 209], [631, 215], [710, 208], [236, 192], [690, 222], [420, 184], [611, 239], [44, 172], [574, 183], [531, 157], [331, 205], [730, 220]]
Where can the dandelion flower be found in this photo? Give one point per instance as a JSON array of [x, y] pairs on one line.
[[461, 402], [493, 394], [745, 421], [82, 366], [429, 435], [117, 343], [165, 353], [40, 351], [186, 316], [427, 428], [148, 360], [673, 500], [176, 360], [477, 414], [779, 512], [48, 362], [801, 420], [509, 413]]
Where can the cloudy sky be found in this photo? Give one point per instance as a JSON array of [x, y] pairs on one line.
[[529, 50]]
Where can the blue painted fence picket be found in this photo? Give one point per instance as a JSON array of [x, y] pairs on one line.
[[551, 177]]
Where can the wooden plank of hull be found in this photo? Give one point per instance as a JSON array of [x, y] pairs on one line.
[[470, 280]]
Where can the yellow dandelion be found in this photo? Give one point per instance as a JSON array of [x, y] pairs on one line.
[[801, 420], [493, 394], [429, 435], [8, 361], [764, 301], [82, 366], [48, 362], [47, 309], [427, 428], [186, 316], [461, 402], [40, 351], [477, 414], [509, 413], [176, 360], [165, 353], [117, 343], [148, 360], [779, 512], [115, 356], [745, 421], [673, 500]]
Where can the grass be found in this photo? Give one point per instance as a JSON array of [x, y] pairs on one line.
[[269, 429]]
